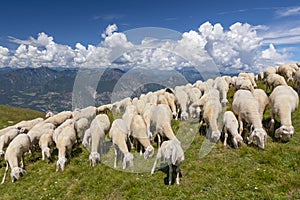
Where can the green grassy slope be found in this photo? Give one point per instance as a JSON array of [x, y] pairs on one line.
[[225, 173]]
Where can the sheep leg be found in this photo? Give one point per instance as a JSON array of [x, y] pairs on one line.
[[170, 173], [178, 174], [6, 169], [158, 156], [225, 137], [116, 157], [272, 121], [241, 125], [22, 161]]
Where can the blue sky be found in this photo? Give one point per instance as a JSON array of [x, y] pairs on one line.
[[72, 22]]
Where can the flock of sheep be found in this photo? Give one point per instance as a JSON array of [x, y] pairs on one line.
[[149, 116]]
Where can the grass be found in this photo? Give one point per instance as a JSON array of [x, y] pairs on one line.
[[225, 173]]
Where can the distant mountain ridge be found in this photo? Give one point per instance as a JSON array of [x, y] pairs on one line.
[[46, 88]]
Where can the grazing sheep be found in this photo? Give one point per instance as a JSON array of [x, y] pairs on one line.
[[6, 139], [14, 155], [172, 153], [6, 129], [103, 108], [286, 71], [122, 104], [262, 99], [243, 83], [38, 130], [89, 113], [65, 141], [250, 76], [182, 99], [57, 131], [160, 117], [81, 125], [231, 125], [45, 142], [98, 127], [212, 108], [139, 131], [86, 140], [119, 135], [59, 118], [246, 107], [283, 101], [268, 71], [274, 80], [26, 125], [222, 86]]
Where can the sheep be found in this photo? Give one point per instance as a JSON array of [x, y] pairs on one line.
[[274, 80], [286, 71], [182, 99], [262, 99], [59, 118], [98, 127], [122, 104], [250, 76], [45, 142], [57, 131], [81, 125], [65, 141], [140, 105], [103, 108], [172, 153], [194, 110], [38, 130], [231, 125], [160, 117], [6, 139], [268, 71], [86, 140], [212, 108], [139, 131], [14, 155], [260, 76], [25, 125], [6, 129], [246, 107], [243, 83], [119, 135], [222, 86], [283, 101], [89, 113], [49, 114], [296, 80], [128, 115]]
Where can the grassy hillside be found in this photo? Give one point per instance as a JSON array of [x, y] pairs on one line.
[[225, 173]]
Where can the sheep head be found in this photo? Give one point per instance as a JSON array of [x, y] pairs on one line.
[[215, 136], [237, 140], [261, 137], [94, 158], [284, 132], [184, 116], [46, 152], [61, 163], [16, 173], [128, 158], [149, 152]]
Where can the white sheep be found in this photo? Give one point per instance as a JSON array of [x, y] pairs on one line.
[[274, 80], [25, 125], [159, 117], [139, 131], [14, 155], [140, 105], [119, 135], [81, 125], [59, 118], [246, 107], [243, 83], [231, 125], [268, 71], [283, 101], [212, 109], [103, 108], [86, 140], [6, 139], [172, 153], [286, 71], [98, 127], [45, 142], [222, 86], [262, 99], [182, 99], [38, 130], [122, 104], [57, 131], [89, 113], [250, 76], [65, 141], [128, 115]]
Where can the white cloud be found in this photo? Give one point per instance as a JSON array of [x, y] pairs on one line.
[[238, 48], [290, 11]]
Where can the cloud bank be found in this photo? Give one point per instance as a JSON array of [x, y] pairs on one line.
[[239, 48]]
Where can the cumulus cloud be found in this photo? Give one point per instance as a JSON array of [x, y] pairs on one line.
[[238, 48]]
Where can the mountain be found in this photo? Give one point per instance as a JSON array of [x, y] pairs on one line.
[[55, 89]]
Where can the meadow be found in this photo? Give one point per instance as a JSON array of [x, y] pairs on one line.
[[224, 173]]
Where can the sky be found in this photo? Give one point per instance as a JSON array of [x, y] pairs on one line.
[[159, 34]]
